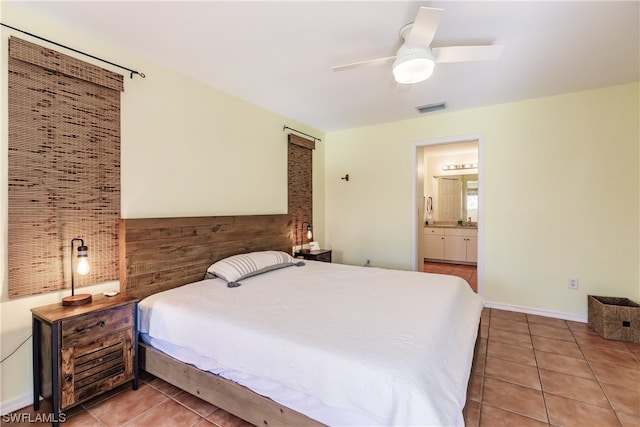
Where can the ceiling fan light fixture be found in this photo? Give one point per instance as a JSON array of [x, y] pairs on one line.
[[413, 64]]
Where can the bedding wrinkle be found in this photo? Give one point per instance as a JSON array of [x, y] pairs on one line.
[[369, 340]]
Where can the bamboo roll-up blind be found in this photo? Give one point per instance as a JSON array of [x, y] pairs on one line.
[[300, 188], [63, 167]]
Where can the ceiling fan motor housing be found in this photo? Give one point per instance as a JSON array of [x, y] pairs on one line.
[[413, 64]]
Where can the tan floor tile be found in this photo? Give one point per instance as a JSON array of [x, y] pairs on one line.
[[479, 364], [225, 419], [194, 403], [523, 340], [633, 348], [495, 417], [513, 353], [164, 387], [484, 331], [472, 414], [167, 414], [107, 395], [204, 423], [628, 420], [475, 387], [515, 373], [596, 340], [509, 315], [123, 407], [579, 326], [567, 412], [509, 325], [563, 334], [547, 321], [82, 419], [473, 282], [623, 359], [623, 399], [616, 375], [482, 346], [514, 398], [557, 346], [564, 364], [572, 387]]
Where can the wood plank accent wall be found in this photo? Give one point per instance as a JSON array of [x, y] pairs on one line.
[[63, 168], [162, 253], [300, 188]]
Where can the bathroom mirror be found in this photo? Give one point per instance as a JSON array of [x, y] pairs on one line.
[[455, 197]]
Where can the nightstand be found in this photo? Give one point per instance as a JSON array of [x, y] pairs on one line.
[[82, 351], [323, 255]]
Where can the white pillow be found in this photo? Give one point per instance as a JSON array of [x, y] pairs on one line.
[[241, 266]]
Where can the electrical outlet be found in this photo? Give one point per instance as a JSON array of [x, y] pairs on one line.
[[572, 283]]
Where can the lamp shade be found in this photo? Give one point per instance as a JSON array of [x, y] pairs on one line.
[[413, 64]]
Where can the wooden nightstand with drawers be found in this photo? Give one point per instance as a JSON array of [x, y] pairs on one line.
[[82, 351]]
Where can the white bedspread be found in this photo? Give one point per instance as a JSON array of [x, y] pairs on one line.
[[395, 345]]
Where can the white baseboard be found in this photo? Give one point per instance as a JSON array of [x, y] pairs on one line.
[[537, 311], [16, 403]]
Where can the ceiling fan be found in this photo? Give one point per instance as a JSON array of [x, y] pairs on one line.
[[415, 60]]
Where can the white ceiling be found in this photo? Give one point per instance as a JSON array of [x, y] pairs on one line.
[[279, 54]]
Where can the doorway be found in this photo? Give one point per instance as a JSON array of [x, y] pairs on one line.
[[457, 161]]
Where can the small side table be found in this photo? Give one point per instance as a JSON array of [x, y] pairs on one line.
[[323, 255], [82, 351]]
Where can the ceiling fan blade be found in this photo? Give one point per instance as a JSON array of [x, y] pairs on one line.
[[425, 26], [466, 53], [377, 61]]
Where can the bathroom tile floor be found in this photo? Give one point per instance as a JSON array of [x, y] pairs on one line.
[[467, 272]]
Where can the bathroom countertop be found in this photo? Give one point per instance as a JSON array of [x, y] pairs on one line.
[[470, 227]]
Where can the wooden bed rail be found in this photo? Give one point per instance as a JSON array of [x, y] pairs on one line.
[[223, 393]]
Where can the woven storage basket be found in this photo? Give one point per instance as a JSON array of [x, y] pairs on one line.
[[614, 318]]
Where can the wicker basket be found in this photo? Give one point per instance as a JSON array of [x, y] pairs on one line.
[[614, 318]]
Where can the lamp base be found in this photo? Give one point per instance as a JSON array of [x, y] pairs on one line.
[[78, 299]]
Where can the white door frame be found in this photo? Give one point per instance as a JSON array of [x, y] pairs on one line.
[[415, 263]]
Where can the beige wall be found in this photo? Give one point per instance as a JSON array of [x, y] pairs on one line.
[[561, 196], [187, 150]]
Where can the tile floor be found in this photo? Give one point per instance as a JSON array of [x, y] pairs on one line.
[[529, 371], [540, 371], [467, 272]]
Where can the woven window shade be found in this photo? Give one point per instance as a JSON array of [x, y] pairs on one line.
[[63, 167], [300, 189]]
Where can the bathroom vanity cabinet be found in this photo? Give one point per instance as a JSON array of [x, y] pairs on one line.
[[454, 244]]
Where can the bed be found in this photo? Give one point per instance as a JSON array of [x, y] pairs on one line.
[[312, 344]]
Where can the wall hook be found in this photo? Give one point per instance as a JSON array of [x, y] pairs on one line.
[[346, 177]]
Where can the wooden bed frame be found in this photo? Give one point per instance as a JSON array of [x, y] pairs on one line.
[[163, 253]]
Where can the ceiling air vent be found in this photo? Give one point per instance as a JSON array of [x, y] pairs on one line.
[[429, 108]]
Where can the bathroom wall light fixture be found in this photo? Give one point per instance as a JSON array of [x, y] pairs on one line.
[[309, 235], [82, 268], [460, 166]]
